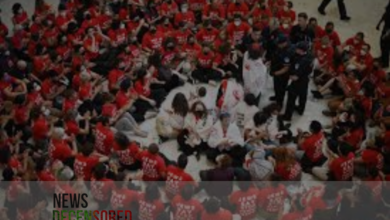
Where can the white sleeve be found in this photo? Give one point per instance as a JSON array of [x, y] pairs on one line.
[[215, 137], [235, 134]]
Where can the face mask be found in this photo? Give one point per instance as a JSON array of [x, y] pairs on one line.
[[206, 52], [184, 9], [153, 31], [63, 13], [133, 40], [237, 23], [285, 26], [363, 52], [122, 26], [324, 46], [108, 13], [191, 42], [329, 31]]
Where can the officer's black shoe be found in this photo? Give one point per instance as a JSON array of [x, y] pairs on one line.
[[317, 94], [272, 98], [321, 11], [346, 18], [298, 110]]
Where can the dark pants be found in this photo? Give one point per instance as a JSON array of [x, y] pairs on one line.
[[385, 49], [204, 75], [307, 164], [280, 87], [340, 3], [237, 153], [297, 90]]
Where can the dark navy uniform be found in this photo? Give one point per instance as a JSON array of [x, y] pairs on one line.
[[301, 67], [280, 60]]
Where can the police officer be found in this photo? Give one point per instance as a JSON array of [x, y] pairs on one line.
[[280, 66], [301, 67], [385, 37]]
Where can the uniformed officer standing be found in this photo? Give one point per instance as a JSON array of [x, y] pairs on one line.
[[280, 66], [301, 67]]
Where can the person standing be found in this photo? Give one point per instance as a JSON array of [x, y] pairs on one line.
[[342, 9], [280, 66], [302, 31], [385, 37], [302, 67]]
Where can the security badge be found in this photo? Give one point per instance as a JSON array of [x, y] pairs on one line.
[[287, 60], [297, 66]]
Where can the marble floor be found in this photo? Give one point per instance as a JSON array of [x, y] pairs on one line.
[[365, 15]]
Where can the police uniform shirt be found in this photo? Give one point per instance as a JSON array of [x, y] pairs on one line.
[[281, 58], [302, 66]]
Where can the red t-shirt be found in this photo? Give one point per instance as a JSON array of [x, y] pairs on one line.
[[214, 12], [207, 36], [334, 39], [46, 180], [355, 46], [104, 139], [206, 60], [149, 210], [72, 127], [123, 99], [83, 166], [313, 147], [343, 167], [129, 155], [189, 210], [40, 128], [181, 36], [306, 214], [221, 214], [101, 189], [118, 36], [316, 202], [109, 110], [141, 88], [241, 9], [196, 5], [373, 158], [115, 76], [153, 42], [272, 199], [59, 150], [287, 15], [20, 18], [176, 178], [245, 203], [289, 172], [192, 50], [152, 166], [122, 198], [237, 33], [355, 138], [187, 17], [68, 105], [324, 55], [168, 9], [21, 115]]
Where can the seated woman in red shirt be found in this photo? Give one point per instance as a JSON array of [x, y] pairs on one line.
[[213, 211], [286, 166], [149, 99], [20, 16]]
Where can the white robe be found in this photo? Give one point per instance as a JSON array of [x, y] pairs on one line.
[[233, 134], [203, 127], [254, 75], [233, 94]]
